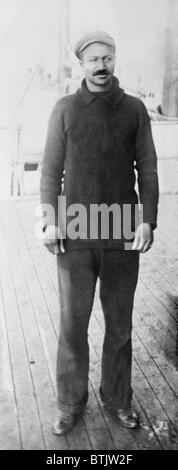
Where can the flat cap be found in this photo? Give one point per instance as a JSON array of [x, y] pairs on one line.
[[91, 38]]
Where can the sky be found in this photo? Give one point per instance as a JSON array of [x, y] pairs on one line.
[[25, 45], [29, 34]]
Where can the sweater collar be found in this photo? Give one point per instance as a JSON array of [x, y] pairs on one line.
[[113, 96]]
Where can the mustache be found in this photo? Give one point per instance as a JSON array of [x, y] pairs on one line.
[[101, 72]]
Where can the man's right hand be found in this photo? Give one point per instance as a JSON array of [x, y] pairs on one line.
[[52, 241]]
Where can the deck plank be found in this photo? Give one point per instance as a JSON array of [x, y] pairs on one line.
[[10, 437], [34, 334], [29, 425]]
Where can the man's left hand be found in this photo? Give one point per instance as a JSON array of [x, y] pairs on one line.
[[143, 238]]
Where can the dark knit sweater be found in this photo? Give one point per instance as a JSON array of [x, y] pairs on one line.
[[99, 140]]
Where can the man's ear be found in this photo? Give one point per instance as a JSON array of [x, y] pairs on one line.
[[80, 58], [81, 63]]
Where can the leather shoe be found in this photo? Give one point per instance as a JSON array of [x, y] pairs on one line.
[[65, 423], [127, 417]]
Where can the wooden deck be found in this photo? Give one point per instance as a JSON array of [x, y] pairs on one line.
[[29, 314]]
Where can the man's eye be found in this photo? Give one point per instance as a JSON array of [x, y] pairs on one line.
[[93, 60]]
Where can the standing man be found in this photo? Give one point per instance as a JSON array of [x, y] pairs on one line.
[[96, 140]]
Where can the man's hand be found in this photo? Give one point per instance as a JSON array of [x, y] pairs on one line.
[[143, 238], [52, 241]]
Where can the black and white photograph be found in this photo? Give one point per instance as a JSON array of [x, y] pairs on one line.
[[89, 230]]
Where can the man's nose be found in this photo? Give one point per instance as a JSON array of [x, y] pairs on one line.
[[101, 64]]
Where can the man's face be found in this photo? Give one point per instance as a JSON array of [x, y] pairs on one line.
[[98, 63]]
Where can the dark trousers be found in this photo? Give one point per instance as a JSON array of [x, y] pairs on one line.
[[77, 273]]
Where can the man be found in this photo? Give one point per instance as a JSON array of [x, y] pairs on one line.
[[96, 139]]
